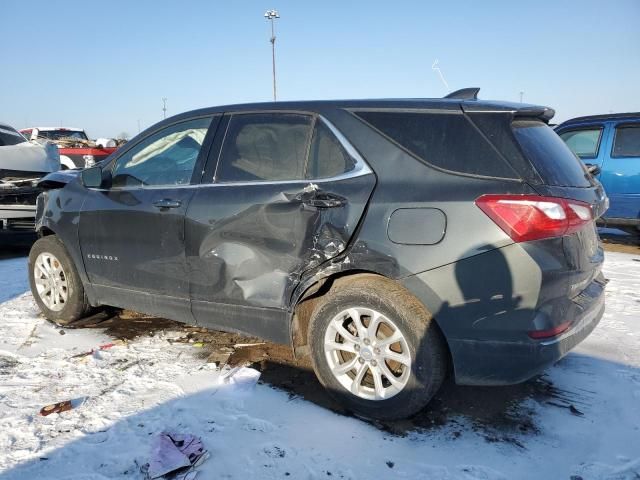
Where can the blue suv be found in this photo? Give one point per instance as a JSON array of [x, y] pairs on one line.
[[609, 145]]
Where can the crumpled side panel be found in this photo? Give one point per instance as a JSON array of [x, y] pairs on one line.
[[250, 244]]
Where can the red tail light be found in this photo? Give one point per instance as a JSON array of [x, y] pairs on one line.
[[532, 217]]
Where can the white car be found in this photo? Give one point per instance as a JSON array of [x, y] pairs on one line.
[[75, 148], [22, 164]]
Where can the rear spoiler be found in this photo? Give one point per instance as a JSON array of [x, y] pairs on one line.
[[517, 109]]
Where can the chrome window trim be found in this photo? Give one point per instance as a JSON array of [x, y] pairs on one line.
[[361, 167]]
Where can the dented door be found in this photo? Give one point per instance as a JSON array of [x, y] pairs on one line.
[[249, 242]]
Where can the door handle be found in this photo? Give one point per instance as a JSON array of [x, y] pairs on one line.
[[167, 203], [323, 200]]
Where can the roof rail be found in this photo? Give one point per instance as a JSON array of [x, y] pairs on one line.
[[465, 94]]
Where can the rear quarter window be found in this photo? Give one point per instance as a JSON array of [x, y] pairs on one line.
[[445, 140], [556, 164]]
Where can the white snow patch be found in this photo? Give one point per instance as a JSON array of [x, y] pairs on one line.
[[253, 431]]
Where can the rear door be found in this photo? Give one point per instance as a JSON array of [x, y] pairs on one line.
[[283, 194], [621, 171], [132, 231]]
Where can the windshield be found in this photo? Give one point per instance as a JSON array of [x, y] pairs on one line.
[[62, 133], [550, 156], [9, 136]]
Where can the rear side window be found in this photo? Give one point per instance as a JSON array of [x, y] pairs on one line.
[[265, 147], [627, 141], [556, 164], [447, 141], [584, 142], [8, 136], [327, 157]]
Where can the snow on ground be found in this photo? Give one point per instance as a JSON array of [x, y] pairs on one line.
[[13, 278], [150, 385]]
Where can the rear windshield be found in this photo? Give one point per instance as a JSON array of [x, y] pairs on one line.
[[8, 136], [553, 160]]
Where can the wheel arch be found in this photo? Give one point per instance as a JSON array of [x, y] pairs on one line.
[[305, 302], [44, 231]]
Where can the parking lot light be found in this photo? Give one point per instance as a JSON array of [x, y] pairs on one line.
[[272, 15]]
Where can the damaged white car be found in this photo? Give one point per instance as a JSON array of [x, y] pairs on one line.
[[22, 164]]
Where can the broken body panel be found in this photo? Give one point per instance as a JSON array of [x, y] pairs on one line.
[[22, 164]]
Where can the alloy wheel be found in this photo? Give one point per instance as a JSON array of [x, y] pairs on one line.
[[367, 353], [51, 281]]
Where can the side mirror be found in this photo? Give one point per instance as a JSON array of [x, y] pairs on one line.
[[91, 177], [593, 169]]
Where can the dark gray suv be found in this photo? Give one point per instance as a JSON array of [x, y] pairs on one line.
[[393, 241]]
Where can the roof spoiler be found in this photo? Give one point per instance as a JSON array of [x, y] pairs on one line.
[[465, 94]]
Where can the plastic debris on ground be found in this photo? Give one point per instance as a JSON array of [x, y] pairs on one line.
[[175, 456]]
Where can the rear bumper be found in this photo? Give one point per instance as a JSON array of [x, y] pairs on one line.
[[485, 362]]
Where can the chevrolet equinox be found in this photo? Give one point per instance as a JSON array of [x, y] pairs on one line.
[[393, 241]]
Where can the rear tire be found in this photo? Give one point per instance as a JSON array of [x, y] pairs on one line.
[[55, 283], [356, 363]]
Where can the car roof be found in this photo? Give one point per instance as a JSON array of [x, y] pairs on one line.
[[520, 109], [602, 117]]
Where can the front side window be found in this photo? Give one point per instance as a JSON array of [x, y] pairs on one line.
[[584, 143], [8, 136], [265, 147], [627, 141], [167, 157]]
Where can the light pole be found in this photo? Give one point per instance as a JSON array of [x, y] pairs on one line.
[[164, 107], [521, 95], [272, 15]]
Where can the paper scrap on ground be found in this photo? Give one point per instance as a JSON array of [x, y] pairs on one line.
[[175, 453]]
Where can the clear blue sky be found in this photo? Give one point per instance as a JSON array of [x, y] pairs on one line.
[[104, 65]]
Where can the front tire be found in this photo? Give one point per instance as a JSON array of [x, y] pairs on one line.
[[376, 348], [55, 283]]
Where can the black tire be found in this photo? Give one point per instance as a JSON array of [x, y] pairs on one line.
[[77, 304], [429, 357]]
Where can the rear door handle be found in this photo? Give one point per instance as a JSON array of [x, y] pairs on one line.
[[323, 200], [167, 203]]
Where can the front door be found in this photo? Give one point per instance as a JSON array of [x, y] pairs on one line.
[[286, 196], [132, 231], [621, 172]]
